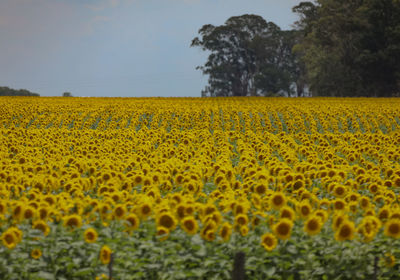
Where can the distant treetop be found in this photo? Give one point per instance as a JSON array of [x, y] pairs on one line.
[[67, 94], [6, 91]]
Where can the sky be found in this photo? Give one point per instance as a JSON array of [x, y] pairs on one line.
[[124, 48]]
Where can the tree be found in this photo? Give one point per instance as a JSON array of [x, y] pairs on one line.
[[67, 94], [6, 91], [350, 47], [248, 56]]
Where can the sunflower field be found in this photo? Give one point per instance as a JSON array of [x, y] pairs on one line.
[[173, 188]]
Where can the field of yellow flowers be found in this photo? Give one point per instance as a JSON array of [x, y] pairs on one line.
[[173, 188]]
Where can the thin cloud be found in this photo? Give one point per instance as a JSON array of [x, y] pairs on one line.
[[99, 6], [93, 23]]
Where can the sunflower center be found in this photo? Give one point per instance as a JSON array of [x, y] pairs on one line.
[[394, 228]]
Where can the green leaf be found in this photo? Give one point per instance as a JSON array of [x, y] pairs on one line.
[[84, 272], [42, 275], [292, 249], [270, 271]]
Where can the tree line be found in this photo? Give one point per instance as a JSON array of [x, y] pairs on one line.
[[336, 48], [6, 91]]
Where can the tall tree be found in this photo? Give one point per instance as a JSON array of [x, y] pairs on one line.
[[350, 47], [248, 56]]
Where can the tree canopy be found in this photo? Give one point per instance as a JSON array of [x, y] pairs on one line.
[[6, 91], [337, 48], [248, 56], [350, 47]]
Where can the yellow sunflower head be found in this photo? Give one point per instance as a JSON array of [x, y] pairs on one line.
[[283, 228], [189, 225], [278, 200], [9, 239], [73, 221], [269, 241], [132, 222], [392, 228], [105, 254], [225, 231], [166, 220], [42, 226], [162, 233], [345, 231], [90, 235], [313, 225], [36, 253]]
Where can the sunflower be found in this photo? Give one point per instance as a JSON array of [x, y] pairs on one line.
[[288, 213], [345, 231], [3, 207], [209, 235], [44, 212], [17, 233], [389, 260], [208, 226], [225, 231], [9, 239], [260, 189], [340, 191], [304, 208], [104, 210], [132, 222], [367, 229], [364, 202], [90, 235], [42, 226], [244, 230], [208, 209], [73, 221], [18, 211], [102, 277], [339, 205], [278, 200], [189, 209], [283, 228], [138, 179], [241, 208], [298, 184], [145, 210], [189, 225], [392, 228], [384, 213], [353, 207], [167, 220], [269, 241], [338, 220], [162, 233], [29, 213], [241, 220], [180, 211], [105, 254], [313, 225], [36, 253], [322, 214], [119, 212]]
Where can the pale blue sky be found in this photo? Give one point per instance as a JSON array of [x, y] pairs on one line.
[[115, 47]]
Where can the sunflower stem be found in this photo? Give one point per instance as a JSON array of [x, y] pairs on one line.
[[110, 266]]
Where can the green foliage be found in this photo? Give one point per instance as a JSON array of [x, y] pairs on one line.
[[141, 255], [6, 91], [350, 48], [248, 56]]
